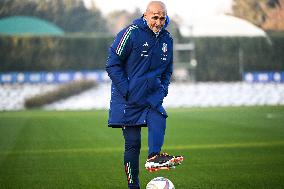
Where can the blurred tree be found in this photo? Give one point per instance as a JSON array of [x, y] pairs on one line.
[[16, 7], [121, 18], [267, 14], [274, 15], [273, 3], [70, 15], [250, 10]]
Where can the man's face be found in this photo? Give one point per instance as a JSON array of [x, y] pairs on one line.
[[155, 19]]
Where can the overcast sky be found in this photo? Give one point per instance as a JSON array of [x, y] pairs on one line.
[[188, 8]]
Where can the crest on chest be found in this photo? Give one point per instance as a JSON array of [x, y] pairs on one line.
[[164, 50]]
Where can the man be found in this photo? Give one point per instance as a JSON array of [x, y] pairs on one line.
[[140, 65]]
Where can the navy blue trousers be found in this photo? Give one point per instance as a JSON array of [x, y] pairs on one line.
[[132, 134]]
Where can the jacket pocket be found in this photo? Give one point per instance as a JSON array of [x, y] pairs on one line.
[[137, 91], [116, 96], [154, 81]]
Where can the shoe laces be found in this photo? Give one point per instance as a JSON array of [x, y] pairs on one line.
[[164, 154]]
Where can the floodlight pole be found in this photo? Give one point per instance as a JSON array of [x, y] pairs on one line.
[[241, 63]]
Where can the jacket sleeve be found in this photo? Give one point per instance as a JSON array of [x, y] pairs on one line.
[[118, 54]]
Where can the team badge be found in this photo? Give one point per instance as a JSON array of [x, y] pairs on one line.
[[164, 48]]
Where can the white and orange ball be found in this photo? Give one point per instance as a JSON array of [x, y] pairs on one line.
[[160, 183]]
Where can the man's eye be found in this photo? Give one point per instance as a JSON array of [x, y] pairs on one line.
[[155, 17]]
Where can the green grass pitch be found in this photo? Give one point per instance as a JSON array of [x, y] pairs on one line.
[[224, 148]]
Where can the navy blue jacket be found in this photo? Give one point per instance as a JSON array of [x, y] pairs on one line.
[[140, 65]]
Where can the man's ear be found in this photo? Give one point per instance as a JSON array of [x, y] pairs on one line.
[[144, 15]]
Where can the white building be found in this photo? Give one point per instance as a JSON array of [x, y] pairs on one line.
[[219, 25]]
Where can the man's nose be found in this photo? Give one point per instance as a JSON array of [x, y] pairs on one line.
[[159, 22]]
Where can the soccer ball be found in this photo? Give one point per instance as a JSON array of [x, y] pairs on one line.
[[160, 183]]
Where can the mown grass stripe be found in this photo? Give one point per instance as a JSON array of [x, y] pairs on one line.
[[118, 149]]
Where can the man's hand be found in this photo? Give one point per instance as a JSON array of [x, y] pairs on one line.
[[156, 99]]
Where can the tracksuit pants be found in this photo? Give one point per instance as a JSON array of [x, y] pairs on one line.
[[132, 134]]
